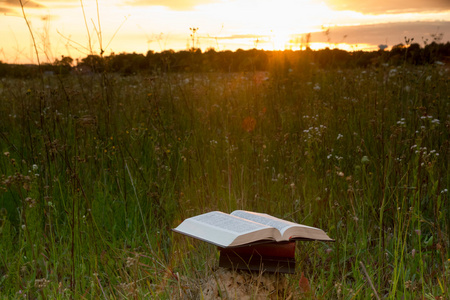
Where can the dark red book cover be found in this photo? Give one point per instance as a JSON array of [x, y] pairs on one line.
[[268, 257]]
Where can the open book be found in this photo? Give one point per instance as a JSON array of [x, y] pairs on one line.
[[244, 228]]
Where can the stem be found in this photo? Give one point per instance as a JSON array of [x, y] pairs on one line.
[[31, 33], [368, 280]]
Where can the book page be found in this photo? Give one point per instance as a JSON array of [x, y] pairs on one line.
[[223, 229], [287, 229], [228, 222], [265, 219]]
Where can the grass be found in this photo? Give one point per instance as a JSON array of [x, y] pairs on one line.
[[97, 168]]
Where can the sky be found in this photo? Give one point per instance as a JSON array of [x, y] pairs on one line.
[[77, 28]]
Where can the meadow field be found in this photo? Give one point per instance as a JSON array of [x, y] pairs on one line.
[[96, 168]]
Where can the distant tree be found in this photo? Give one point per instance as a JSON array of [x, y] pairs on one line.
[[64, 65], [397, 54], [65, 61], [94, 62], [414, 55]]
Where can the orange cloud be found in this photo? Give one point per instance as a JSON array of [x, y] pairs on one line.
[[385, 33], [15, 3], [376, 7], [172, 4]]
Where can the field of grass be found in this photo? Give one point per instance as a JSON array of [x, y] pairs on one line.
[[97, 168]]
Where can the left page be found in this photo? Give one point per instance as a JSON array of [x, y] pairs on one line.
[[225, 230]]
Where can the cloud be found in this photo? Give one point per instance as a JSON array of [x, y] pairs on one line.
[[13, 7], [5, 10], [387, 33], [15, 3], [377, 7], [240, 36], [172, 4]]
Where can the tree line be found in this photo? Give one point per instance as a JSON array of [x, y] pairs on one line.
[[194, 60]]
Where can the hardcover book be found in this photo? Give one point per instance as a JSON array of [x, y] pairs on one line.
[[245, 228]]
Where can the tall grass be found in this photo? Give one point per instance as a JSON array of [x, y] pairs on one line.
[[96, 170]]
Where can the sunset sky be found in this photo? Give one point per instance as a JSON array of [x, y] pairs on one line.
[[118, 26]]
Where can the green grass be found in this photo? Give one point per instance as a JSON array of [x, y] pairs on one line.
[[96, 170]]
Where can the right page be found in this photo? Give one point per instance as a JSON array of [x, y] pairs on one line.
[[289, 230]]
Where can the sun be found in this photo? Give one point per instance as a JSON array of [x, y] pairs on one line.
[[284, 19], [280, 40]]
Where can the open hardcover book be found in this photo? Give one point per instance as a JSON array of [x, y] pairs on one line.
[[245, 228]]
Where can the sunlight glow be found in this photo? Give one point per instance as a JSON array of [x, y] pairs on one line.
[[344, 46], [60, 28]]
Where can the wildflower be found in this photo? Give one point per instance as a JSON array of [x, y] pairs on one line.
[[316, 87], [304, 284], [339, 136], [338, 287], [401, 122], [392, 72], [131, 262], [41, 283], [365, 160], [35, 167], [249, 124], [30, 201]]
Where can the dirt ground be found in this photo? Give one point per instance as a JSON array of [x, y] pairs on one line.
[[243, 285]]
